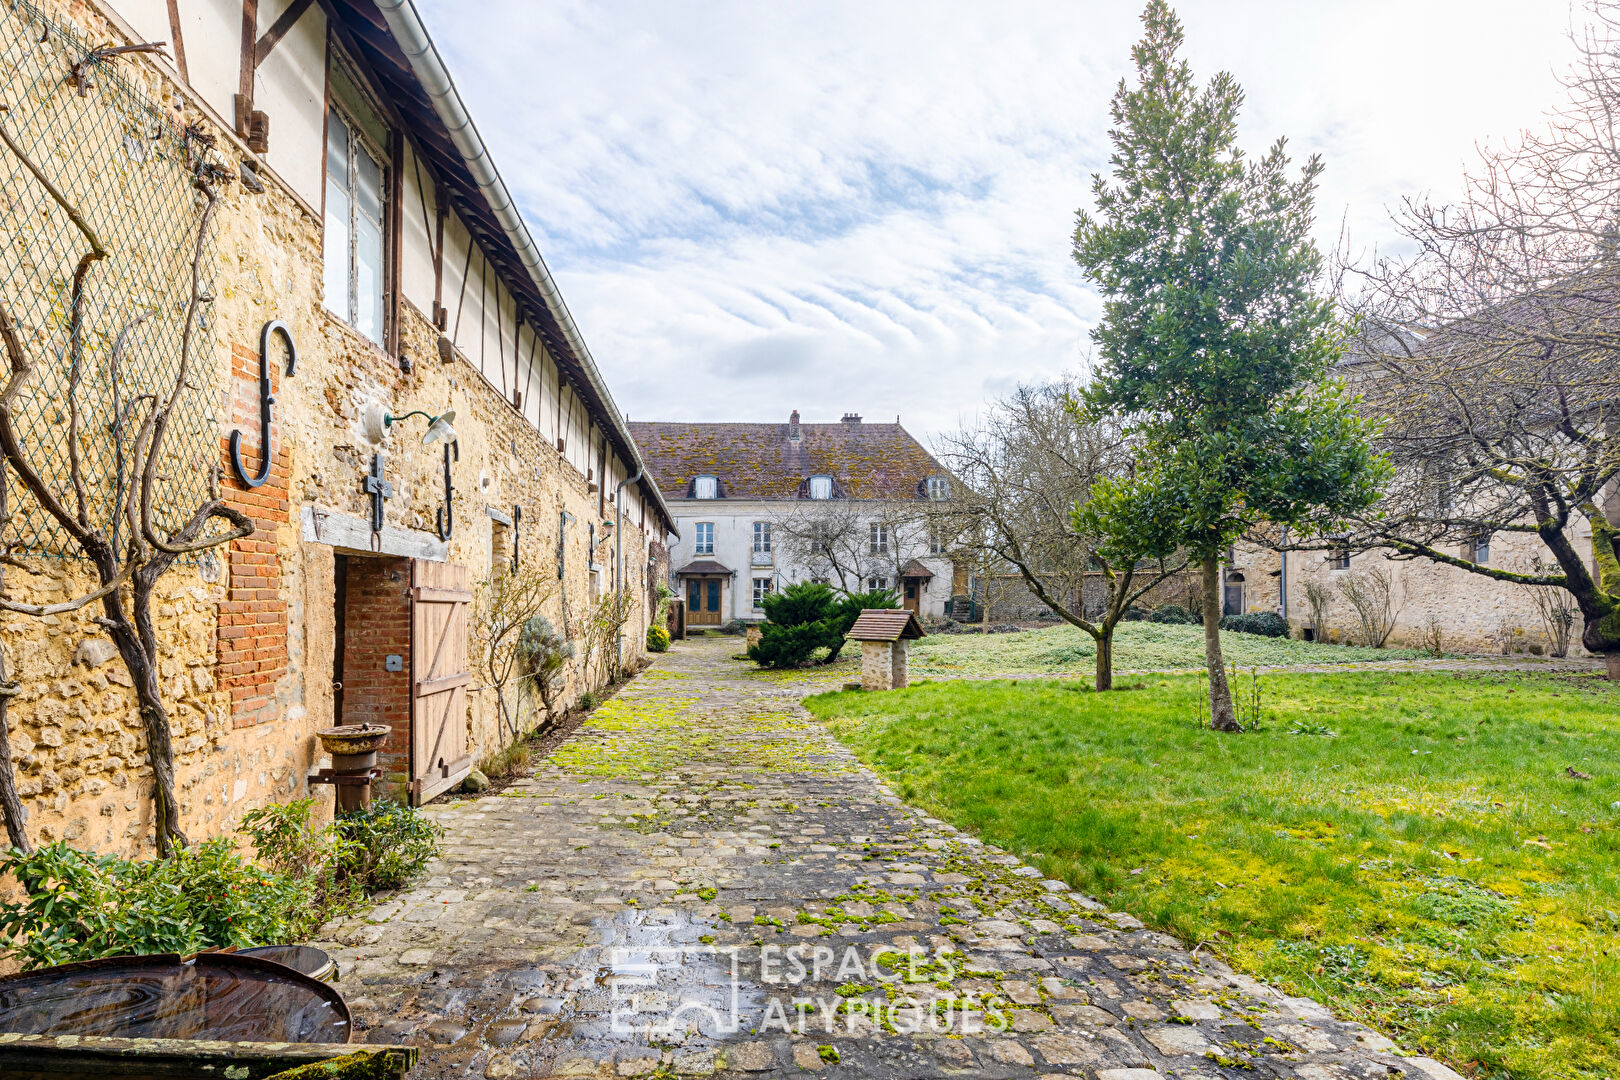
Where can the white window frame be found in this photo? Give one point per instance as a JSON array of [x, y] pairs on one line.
[[873, 584], [821, 486], [359, 143], [763, 587], [936, 542], [703, 538], [1480, 550], [939, 488], [762, 542], [877, 539], [706, 487]]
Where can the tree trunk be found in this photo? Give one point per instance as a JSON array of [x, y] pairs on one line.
[[1612, 661], [11, 806], [16, 817], [141, 663], [1105, 659], [1221, 715]]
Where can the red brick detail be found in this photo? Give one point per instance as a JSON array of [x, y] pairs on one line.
[[251, 642], [377, 624]]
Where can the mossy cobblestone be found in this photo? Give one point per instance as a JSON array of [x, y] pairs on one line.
[[702, 823]]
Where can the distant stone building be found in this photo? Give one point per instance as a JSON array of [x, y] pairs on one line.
[[761, 506]]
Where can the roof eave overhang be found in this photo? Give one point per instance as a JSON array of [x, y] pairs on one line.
[[396, 46]]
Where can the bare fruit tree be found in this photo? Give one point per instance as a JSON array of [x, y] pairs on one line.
[[1025, 467], [503, 608], [1371, 592], [1559, 616], [128, 550], [847, 542], [1492, 353]]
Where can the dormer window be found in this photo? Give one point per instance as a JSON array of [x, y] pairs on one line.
[[821, 487], [706, 487], [938, 488]]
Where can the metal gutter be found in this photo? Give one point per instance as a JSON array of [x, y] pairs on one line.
[[409, 33]]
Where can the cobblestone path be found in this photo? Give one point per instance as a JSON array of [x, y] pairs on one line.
[[701, 881]]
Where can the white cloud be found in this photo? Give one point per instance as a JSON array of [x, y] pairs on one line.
[[867, 206]]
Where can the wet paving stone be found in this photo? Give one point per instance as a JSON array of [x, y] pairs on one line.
[[702, 882]]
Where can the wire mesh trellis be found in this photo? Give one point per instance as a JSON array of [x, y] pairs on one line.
[[129, 170]]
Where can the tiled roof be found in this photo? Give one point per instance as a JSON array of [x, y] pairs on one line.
[[885, 624], [760, 461], [703, 566], [915, 569]]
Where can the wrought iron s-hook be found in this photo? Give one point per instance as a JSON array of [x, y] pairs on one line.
[[444, 519], [266, 401]]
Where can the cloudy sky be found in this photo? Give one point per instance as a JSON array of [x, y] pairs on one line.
[[866, 206]]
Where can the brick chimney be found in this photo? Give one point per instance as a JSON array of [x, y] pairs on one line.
[[793, 425], [852, 418]]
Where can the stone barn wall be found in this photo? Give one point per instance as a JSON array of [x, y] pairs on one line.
[[247, 636]]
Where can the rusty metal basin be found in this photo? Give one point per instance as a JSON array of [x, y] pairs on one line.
[[353, 738]]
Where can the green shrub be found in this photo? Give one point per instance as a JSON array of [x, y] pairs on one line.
[[657, 639], [82, 906], [384, 847], [1264, 623], [77, 905], [285, 838], [734, 627], [798, 620], [1174, 614]]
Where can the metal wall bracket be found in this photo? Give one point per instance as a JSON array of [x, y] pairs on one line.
[[444, 519], [266, 405]]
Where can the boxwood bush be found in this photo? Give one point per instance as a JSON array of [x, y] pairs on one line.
[[1264, 623]]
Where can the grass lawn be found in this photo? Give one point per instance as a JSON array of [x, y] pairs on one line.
[[1062, 649], [1410, 848]]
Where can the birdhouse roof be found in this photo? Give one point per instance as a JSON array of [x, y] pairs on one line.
[[886, 624]]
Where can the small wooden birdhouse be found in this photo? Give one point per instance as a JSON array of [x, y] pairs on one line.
[[885, 635]]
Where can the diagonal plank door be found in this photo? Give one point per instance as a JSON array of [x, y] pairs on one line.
[[440, 602]]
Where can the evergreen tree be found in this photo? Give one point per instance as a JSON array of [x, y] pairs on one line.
[[1215, 344]]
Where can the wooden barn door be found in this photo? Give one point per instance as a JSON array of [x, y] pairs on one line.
[[440, 602]]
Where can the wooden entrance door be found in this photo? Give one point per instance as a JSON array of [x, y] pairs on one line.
[[703, 601], [1232, 598], [913, 595], [439, 604]]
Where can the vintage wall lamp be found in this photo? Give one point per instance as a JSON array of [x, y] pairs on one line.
[[438, 426], [266, 404]]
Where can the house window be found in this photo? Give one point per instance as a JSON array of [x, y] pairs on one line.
[[352, 251], [762, 538], [939, 488], [877, 583], [1480, 550], [1339, 559], [821, 487], [703, 538], [762, 589], [936, 542], [707, 487], [878, 542]]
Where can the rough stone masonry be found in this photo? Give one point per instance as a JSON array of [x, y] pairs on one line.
[[652, 883]]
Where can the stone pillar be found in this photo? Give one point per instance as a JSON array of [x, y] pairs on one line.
[[877, 665], [899, 679]]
